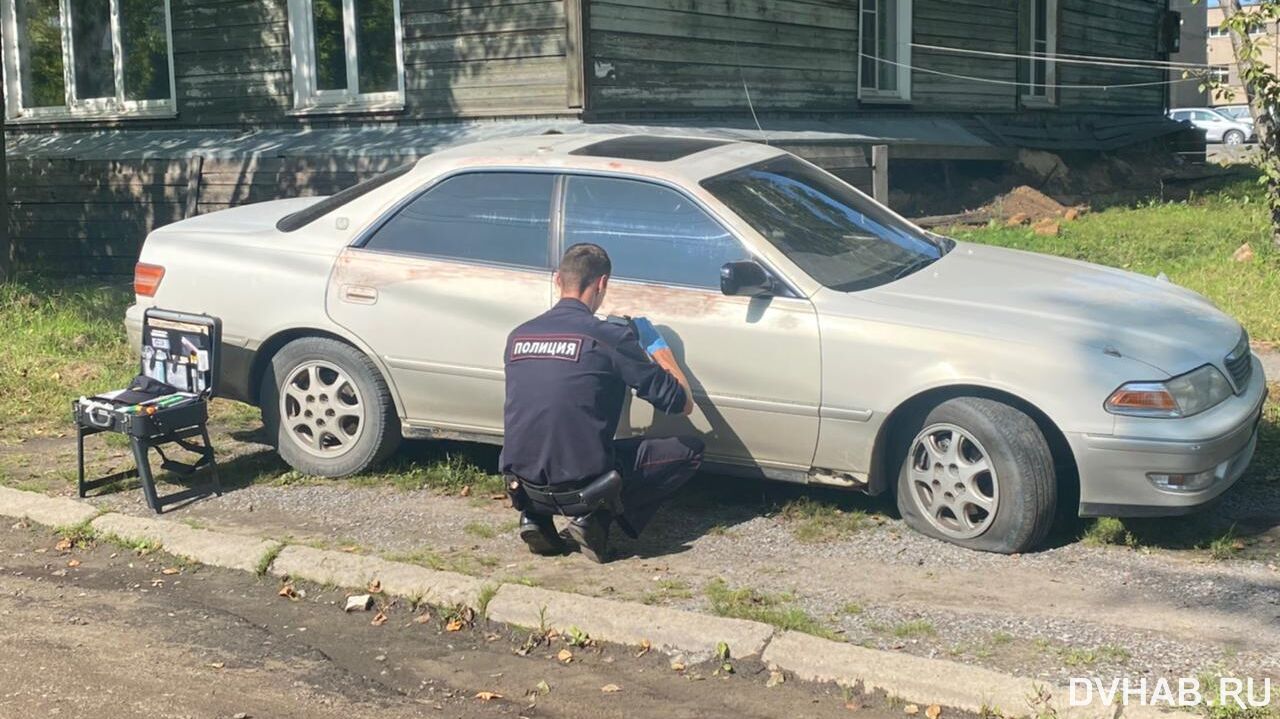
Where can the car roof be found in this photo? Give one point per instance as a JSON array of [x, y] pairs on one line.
[[683, 158]]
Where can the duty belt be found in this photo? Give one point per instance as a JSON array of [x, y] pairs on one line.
[[604, 492]]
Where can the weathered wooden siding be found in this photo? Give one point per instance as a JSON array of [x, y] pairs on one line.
[[682, 55], [90, 217], [231, 61], [985, 25], [463, 59], [473, 58], [1111, 28]]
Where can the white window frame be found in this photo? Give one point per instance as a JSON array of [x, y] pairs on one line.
[[307, 99], [1050, 96], [903, 66], [73, 108]]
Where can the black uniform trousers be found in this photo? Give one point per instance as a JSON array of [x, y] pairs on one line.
[[653, 469]]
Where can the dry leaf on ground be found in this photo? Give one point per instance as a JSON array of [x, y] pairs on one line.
[[288, 592], [63, 545], [466, 491], [170, 570], [454, 625], [911, 709], [73, 563], [375, 587], [379, 619], [645, 646], [487, 696], [610, 688], [565, 656], [933, 712]]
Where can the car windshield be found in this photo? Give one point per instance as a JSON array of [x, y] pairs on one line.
[[837, 235]]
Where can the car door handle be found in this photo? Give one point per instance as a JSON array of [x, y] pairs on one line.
[[359, 294]]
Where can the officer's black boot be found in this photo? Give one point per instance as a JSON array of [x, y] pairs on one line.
[[591, 533], [539, 532]]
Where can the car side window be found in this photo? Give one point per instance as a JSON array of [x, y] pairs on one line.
[[502, 217], [652, 233]]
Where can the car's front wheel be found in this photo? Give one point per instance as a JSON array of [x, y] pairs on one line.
[[1234, 137], [978, 473], [328, 408]]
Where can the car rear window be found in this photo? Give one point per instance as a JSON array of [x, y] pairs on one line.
[[311, 213]]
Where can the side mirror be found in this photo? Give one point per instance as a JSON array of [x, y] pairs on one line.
[[745, 278]]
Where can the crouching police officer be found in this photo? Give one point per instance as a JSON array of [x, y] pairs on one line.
[[567, 378]]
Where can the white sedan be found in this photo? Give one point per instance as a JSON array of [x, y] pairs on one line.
[[828, 340]]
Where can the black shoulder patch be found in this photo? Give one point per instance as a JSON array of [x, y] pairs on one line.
[[561, 347]]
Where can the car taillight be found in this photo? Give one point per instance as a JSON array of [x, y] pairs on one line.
[[146, 279]]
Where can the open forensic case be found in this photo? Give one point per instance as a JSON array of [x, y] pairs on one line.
[[166, 404]]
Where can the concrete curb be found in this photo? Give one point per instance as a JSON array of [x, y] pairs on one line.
[[219, 549], [43, 509], [951, 684], [669, 630], [354, 570], [918, 679]]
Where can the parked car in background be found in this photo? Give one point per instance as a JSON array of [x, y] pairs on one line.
[[1239, 113], [828, 340], [1216, 126]]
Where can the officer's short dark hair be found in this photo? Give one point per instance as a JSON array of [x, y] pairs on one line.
[[583, 264]]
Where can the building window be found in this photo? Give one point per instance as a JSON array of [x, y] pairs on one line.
[[885, 39], [1217, 31], [347, 55], [86, 59], [1042, 71], [1220, 74]]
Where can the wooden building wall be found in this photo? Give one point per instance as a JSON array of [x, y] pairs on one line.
[[1111, 28], [463, 59], [984, 25], [694, 55]]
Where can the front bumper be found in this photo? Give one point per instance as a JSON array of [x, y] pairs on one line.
[[1114, 468]]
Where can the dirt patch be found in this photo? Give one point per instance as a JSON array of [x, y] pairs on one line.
[[199, 641], [1023, 205]]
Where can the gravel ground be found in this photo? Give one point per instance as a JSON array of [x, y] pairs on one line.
[[1069, 610]]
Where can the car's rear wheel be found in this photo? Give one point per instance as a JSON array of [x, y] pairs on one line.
[[1233, 137], [328, 408], [978, 473]]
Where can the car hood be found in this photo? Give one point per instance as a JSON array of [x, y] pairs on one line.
[[1024, 296]]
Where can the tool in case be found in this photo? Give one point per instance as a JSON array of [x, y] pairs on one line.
[[167, 403]]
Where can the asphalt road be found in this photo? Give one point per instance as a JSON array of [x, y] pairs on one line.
[[98, 631]]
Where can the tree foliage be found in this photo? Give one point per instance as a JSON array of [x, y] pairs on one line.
[[1251, 43]]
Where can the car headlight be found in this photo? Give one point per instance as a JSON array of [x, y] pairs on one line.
[[1182, 396]]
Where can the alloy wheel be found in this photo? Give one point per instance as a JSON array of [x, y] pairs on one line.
[[321, 409], [953, 482]]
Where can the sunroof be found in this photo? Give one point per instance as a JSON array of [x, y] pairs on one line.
[[650, 148]]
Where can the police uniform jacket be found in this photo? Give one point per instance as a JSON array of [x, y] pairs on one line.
[[567, 378]]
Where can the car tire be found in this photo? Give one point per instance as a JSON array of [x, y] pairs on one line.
[[945, 498], [1233, 137], [327, 408]]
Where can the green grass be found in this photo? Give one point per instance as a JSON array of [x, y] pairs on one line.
[[914, 628], [60, 341], [1087, 658], [1191, 242], [481, 530], [745, 603], [812, 521], [1109, 531]]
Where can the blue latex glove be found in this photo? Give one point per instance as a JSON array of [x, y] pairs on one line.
[[650, 339]]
